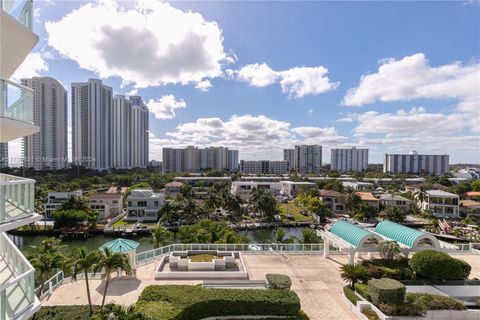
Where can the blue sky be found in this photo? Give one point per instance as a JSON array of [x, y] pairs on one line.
[[263, 76]]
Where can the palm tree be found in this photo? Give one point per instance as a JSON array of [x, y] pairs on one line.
[[310, 236], [111, 261], [47, 260], [84, 261], [161, 237], [389, 250], [353, 274]]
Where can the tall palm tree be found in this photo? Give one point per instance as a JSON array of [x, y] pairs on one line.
[[83, 261], [353, 274], [110, 261], [161, 237], [47, 260]]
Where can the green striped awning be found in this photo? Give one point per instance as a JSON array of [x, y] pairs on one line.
[[398, 232], [350, 233]]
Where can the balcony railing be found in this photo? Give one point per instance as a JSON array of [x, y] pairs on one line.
[[17, 288], [21, 10], [16, 197], [16, 101]]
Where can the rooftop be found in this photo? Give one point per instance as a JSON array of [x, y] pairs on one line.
[[402, 234], [174, 184], [350, 233], [116, 190], [202, 178], [473, 194], [299, 183], [366, 196], [440, 193], [330, 193], [393, 197], [469, 203]]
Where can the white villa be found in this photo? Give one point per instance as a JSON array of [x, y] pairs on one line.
[[143, 205], [443, 204], [17, 206], [394, 200], [108, 204], [55, 200], [244, 189], [290, 188]]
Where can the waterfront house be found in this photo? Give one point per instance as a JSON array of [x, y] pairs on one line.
[[55, 200], [108, 204], [143, 205], [369, 198], [442, 204], [394, 200], [291, 188], [333, 200]]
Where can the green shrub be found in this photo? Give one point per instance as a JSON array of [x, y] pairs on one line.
[[195, 302], [427, 301], [435, 265], [63, 313], [351, 296], [279, 281], [370, 314], [401, 309], [393, 273], [466, 268], [386, 291], [375, 272], [68, 218], [362, 289]]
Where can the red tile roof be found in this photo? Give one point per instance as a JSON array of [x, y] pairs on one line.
[[366, 196]]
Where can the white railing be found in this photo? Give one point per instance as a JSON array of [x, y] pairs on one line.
[[16, 101], [18, 293], [304, 248], [468, 247], [16, 197]]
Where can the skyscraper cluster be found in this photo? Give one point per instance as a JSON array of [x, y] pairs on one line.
[[194, 159], [108, 132]]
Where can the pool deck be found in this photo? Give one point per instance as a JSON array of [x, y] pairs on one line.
[[315, 279]]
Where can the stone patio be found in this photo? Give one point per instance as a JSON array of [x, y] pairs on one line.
[[315, 279]]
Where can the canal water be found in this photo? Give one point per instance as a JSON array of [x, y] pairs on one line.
[[25, 243]]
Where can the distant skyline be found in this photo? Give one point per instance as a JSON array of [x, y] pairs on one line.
[[263, 76]]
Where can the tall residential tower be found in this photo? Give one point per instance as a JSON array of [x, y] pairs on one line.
[[307, 159], [349, 160], [47, 149]]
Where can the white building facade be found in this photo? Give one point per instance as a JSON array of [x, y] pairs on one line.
[[121, 132], [289, 155], [193, 159], [442, 204], [416, 163], [17, 195], [264, 167], [47, 149], [307, 159], [139, 153], [349, 160], [143, 205], [55, 200]]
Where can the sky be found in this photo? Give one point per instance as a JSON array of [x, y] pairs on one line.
[[263, 76]]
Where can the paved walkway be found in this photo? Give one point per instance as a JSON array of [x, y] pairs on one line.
[[316, 281]]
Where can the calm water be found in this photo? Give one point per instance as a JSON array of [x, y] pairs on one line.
[[24, 243]]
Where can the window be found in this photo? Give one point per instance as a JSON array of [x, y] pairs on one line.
[[129, 203], [155, 204], [141, 203]]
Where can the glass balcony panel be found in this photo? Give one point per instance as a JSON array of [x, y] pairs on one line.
[[16, 197], [17, 282], [16, 101], [21, 10]]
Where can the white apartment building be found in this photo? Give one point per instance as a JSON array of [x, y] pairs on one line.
[[358, 185], [107, 204], [307, 159], [121, 132], [17, 195], [442, 204], [416, 163], [349, 160], [264, 167], [143, 205], [193, 159], [291, 188], [232, 160], [289, 156], [55, 200], [47, 149], [139, 150], [244, 189], [92, 124]]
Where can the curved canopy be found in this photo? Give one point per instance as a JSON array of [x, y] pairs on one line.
[[352, 234], [120, 245], [405, 235]]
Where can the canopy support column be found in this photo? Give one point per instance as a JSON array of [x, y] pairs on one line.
[[326, 248]]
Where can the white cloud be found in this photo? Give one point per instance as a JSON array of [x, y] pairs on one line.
[[296, 82], [414, 122], [413, 78], [204, 86], [257, 137], [345, 120], [151, 44], [165, 107], [310, 111], [32, 66]]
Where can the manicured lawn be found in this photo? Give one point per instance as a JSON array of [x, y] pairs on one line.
[[294, 210], [202, 258]]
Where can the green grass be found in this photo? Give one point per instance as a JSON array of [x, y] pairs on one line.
[[121, 223], [202, 258], [294, 210]]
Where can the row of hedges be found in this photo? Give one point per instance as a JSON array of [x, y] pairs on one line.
[[177, 302], [350, 295], [426, 264], [435, 265], [390, 297]]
